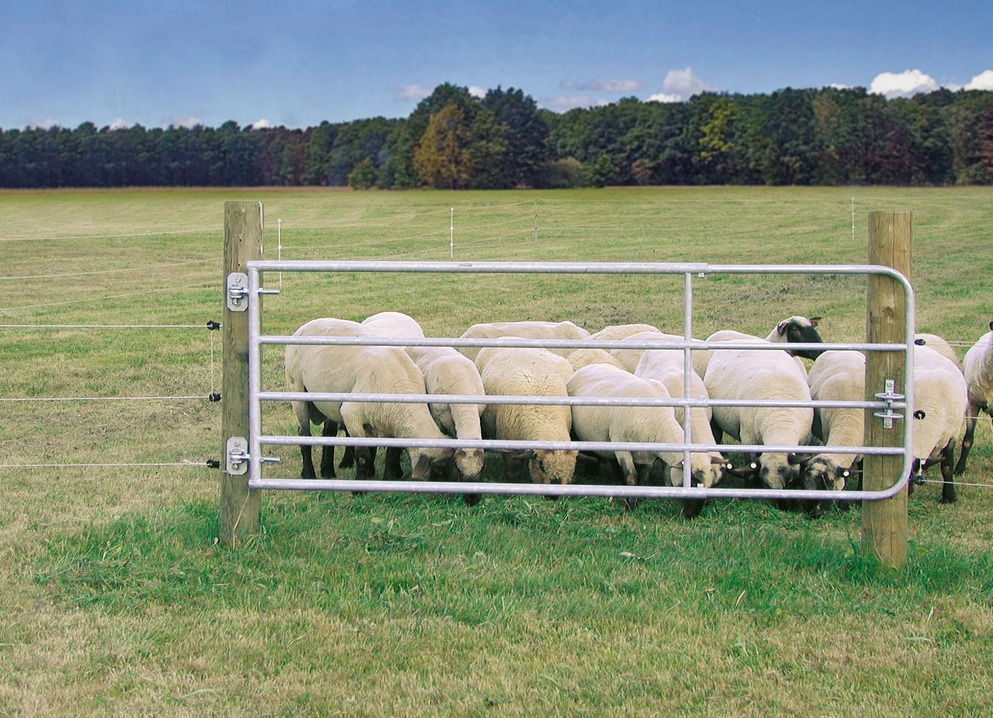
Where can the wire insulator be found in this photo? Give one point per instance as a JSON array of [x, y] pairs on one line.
[[213, 464], [213, 326], [214, 397]]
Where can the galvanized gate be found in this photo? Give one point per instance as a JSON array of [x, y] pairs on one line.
[[246, 454]]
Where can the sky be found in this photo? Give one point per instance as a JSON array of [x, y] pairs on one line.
[[296, 63]]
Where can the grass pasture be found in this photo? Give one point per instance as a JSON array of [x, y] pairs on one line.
[[117, 601]]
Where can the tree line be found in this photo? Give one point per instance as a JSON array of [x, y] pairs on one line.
[[455, 140]]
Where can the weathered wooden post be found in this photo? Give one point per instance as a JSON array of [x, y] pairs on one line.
[[884, 523], [240, 506]]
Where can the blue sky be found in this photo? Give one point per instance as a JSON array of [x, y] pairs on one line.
[[299, 62]]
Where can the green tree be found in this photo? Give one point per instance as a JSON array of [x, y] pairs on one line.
[[364, 176]]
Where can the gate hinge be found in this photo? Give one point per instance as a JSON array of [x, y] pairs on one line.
[[236, 456], [889, 396], [236, 292]]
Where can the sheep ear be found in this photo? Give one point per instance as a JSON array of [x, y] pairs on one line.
[[421, 468], [781, 327], [798, 459], [814, 321]]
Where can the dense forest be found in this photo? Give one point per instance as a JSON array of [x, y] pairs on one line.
[[503, 140]]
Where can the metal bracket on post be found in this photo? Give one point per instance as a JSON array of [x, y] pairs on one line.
[[889, 396], [237, 291], [236, 456]]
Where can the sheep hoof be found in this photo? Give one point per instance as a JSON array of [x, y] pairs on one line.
[[471, 499], [630, 502]]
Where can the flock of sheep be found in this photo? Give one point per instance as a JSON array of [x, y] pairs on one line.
[[948, 399]]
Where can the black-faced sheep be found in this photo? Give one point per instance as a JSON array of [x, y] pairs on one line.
[[979, 384], [359, 369]]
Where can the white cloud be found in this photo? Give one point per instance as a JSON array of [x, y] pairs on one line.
[[904, 84], [564, 103], [477, 92], [681, 85], [187, 122], [45, 124], [121, 124], [982, 81], [261, 125], [412, 93], [604, 85]]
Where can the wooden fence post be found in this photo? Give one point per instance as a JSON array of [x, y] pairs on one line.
[[240, 506], [884, 523]]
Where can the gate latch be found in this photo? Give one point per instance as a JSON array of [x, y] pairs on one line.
[[889, 396]]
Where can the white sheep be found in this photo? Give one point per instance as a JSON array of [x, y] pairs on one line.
[[448, 372], [445, 371], [623, 331], [940, 400], [836, 376], [525, 330], [359, 369], [751, 374], [584, 357], [629, 358], [667, 367], [979, 383], [940, 345], [529, 372]]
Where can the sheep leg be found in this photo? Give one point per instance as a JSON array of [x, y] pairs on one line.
[[970, 430], [947, 464], [306, 451], [392, 471], [327, 456], [629, 475]]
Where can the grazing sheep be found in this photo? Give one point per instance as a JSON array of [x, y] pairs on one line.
[[393, 325], [836, 376], [634, 424], [525, 330], [445, 371], [623, 331], [630, 357], [735, 374], [940, 399], [359, 369], [584, 357], [979, 381], [667, 368], [939, 345], [529, 372], [448, 372]]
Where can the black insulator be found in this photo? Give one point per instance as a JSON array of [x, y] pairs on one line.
[[213, 326], [920, 414], [213, 464], [214, 397]]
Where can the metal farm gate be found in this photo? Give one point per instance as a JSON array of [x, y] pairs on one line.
[[247, 454]]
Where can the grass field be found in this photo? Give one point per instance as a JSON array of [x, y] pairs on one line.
[[117, 601]]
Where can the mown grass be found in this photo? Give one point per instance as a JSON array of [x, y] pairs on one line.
[[118, 601]]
